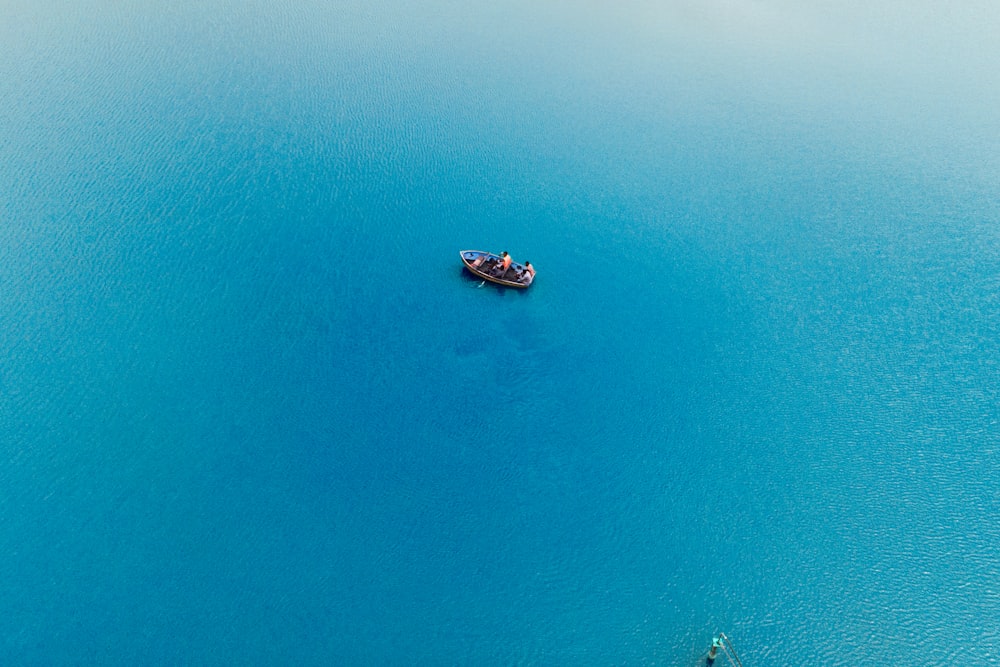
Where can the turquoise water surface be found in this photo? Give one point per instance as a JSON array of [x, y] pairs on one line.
[[253, 412]]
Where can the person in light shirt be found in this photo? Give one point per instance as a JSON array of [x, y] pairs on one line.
[[528, 274]]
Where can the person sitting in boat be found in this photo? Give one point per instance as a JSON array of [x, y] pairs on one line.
[[504, 263], [479, 261], [528, 274]]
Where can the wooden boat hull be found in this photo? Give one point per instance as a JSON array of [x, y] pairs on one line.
[[487, 269]]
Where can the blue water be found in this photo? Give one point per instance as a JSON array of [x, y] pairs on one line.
[[253, 412]]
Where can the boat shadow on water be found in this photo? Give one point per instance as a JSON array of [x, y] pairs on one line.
[[475, 282]]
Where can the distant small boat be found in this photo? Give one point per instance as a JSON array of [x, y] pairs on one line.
[[489, 267]]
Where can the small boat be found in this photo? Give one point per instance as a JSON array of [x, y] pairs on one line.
[[489, 267]]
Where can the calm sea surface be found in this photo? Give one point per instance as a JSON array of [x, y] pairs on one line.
[[253, 412]]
